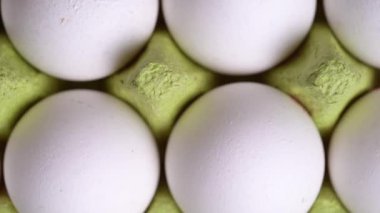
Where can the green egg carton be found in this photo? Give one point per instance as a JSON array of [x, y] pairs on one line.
[[163, 81]]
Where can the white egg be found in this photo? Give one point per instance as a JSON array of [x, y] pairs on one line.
[[245, 148], [239, 37], [354, 156], [81, 151], [357, 26], [79, 39]]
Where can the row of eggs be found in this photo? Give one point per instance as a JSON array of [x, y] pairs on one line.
[[242, 147], [84, 40]]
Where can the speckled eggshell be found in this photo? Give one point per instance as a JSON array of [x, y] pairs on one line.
[[81, 151], [357, 25], [245, 148], [79, 40], [354, 156], [239, 37]]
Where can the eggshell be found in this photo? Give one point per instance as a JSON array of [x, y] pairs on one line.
[[81, 151], [354, 156], [79, 39], [357, 26], [239, 37], [245, 148]]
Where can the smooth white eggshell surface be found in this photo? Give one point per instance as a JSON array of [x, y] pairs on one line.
[[245, 148], [79, 39], [81, 151], [239, 37], [354, 156], [356, 23]]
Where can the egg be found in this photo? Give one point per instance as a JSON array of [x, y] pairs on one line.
[[245, 147], [79, 40], [354, 155], [239, 37], [81, 151], [357, 26]]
